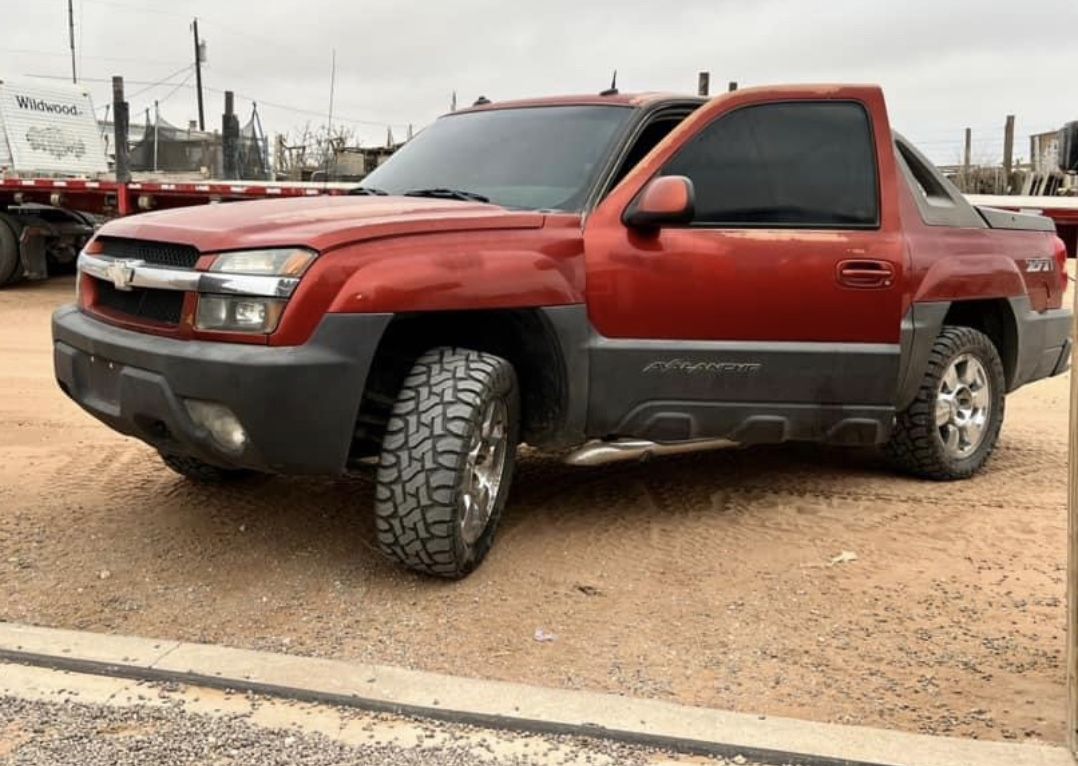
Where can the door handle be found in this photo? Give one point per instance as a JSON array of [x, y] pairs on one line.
[[865, 273]]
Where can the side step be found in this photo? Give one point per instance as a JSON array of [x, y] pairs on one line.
[[601, 452]]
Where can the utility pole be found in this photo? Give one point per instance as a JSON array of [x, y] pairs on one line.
[[1008, 152], [703, 83], [198, 75], [71, 34], [967, 152], [119, 121]]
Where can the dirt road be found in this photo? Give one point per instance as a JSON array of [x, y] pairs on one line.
[[703, 579]]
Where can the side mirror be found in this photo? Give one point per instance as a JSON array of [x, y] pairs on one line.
[[665, 200]]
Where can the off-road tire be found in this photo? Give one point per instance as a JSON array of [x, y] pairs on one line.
[[423, 469], [201, 472], [10, 266], [916, 445]]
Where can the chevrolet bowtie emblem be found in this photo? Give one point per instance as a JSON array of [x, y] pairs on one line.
[[122, 271]]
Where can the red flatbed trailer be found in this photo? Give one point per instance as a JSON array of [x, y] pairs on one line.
[[44, 222], [55, 216], [1062, 210], [110, 198]]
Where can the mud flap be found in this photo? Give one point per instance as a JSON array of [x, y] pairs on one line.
[[32, 252]]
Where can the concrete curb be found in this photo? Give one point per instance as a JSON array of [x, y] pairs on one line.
[[504, 705]]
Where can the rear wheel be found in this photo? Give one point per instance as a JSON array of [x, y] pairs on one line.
[[199, 471], [9, 254], [951, 428], [447, 461]]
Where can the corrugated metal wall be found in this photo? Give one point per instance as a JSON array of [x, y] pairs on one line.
[[50, 129]]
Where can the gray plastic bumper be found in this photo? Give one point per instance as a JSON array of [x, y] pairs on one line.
[[298, 404], [1044, 345]]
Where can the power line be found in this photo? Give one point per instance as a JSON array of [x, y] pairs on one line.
[[163, 81], [261, 102], [171, 93], [140, 8], [39, 52]]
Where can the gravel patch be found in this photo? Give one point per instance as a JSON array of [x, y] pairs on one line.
[[43, 733]]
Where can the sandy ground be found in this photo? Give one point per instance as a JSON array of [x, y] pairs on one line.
[[703, 579]]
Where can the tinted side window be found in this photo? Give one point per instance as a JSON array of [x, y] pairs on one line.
[[790, 164]]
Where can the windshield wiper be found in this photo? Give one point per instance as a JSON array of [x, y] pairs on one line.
[[367, 191], [442, 193]]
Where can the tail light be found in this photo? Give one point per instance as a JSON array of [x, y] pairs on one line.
[[1061, 262]]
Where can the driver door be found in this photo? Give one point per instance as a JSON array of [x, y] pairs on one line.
[[775, 313]]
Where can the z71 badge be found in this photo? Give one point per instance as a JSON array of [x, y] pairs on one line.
[[1040, 265]]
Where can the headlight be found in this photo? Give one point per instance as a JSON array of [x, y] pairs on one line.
[[282, 262], [238, 313]]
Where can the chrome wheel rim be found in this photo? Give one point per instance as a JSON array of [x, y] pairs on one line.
[[963, 406], [484, 465]]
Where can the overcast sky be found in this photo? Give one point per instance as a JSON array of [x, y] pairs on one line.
[[944, 64]]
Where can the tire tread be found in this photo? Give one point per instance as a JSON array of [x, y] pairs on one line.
[[423, 450]]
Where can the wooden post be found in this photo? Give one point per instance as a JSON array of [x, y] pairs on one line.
[[1008, 152], [119, 124], [1072, 560], [966, 161], [703, 84], [230, 128], [198, 75]]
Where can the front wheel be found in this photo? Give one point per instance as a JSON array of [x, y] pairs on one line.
[[951, 427], [447, 461]]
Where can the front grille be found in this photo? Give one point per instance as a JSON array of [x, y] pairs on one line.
[[167, 254], [164, 306]]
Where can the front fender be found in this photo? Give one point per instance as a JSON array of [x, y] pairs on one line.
[[458, 278]]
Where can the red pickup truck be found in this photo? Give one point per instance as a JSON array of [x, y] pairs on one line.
[[610, 275]]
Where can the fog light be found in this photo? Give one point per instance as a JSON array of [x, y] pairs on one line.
[[219, 420], [235, 314]]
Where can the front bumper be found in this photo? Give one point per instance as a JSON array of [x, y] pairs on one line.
[[298, 404]]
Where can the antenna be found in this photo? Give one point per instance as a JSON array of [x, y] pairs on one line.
[[613, 89], [329, 119]]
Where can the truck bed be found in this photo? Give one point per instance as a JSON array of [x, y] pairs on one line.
[[997, 218]]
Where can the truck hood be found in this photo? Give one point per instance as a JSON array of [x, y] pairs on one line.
[[321, 222]]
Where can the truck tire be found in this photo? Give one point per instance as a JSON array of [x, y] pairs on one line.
[[201, 472], [9, 254], [447, 461], [949, 430]]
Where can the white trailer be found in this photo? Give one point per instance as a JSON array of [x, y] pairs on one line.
[[47, 130]]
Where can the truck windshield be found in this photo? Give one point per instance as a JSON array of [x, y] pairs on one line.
[[533, 158]]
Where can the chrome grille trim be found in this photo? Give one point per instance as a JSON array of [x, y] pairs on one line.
[[125, 273]]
